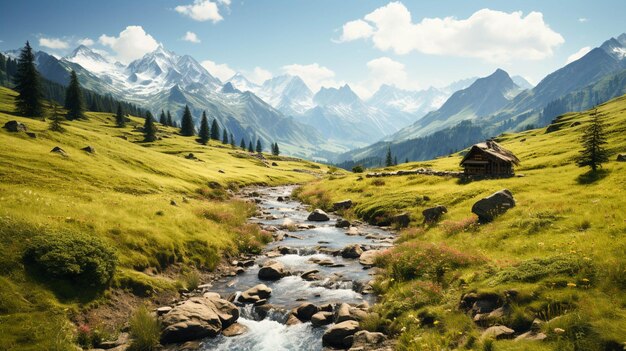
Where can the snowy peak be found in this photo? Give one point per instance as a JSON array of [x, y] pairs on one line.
[[240, 82], [522, 82], [616, 48], [334, 96], [228, 88], [389, 97], [89, 59]]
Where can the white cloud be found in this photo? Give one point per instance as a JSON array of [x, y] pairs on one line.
[[131, 44], [583, 20], [314, 75], [383, 70], [259, 75], [221, 71], [191, 37], [493, 36], [85, 41], [202, 10], [224, 2], [53, 43], [353, 30], [578, 54]]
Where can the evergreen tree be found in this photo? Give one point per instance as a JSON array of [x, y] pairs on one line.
[[56, 119], [406, 160], [120, 120], [163, 118], [224, 137], [395, 160], [259, 146], [215, 130], [186, 124], [28, 85], [170, 122], [149, 129], [74, 99], [205, 132], [275, 149], [388, 158], [593, 141], [250, 147], [242, 144], [232, 140]]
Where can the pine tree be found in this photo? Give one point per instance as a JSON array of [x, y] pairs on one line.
[[232, 140], [120, 120], [242, 144], [406, 160], [205, 132], [215, 130], [170, 122], [149, 129], [163, 118], [224, 137], [389, 158], [395, 160], [74, 99], [28, 85], [186, 124], [275, 149], [56, 119], [250, 147], [592, 140], [259, 146]]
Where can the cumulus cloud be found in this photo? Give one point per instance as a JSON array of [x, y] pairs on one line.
[[191, 37], [202, 10], [583, 19], [85, 41], [221, 71], [314, 75], [354, 30], [259, 75], [578, 54], [493, 36], [131, 44], [383, 70], [53, 43]]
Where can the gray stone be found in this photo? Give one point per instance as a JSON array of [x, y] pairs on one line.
[[365, 338], [367, 258], [343, 313], [305, 311], [496, 204], [342, 223], [321, 318], [621, 158], [352, 251], [433, 214], [58, 150], [89, 149], [15, 126], [234, 330], [498, 332], [256, 293], [402, 219], [272, 270], [336, 335], [318, 216], [342, 205]]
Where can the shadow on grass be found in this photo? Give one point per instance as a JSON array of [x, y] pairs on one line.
[[592, 177], [65, 290]]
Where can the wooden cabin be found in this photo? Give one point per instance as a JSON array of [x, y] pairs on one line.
[[489, 159]]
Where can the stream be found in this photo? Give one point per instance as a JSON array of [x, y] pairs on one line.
[[342, 282]]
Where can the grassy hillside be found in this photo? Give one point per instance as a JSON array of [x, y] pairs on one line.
[[122, 196], [558, 256]]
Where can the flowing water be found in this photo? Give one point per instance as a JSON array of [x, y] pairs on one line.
[[340, 283]]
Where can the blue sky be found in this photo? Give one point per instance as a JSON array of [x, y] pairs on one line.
[[413, 44]]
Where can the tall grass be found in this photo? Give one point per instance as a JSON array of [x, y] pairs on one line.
[[144, 330]]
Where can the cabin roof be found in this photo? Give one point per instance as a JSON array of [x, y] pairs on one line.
[[494, 149]]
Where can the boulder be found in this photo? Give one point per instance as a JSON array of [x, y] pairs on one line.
[[58, 150], [498, 332], [336, 335], [531, 336], [496, 204], [272, 270], [433, 214], [191, 156], [197, 318], [367, 258], [89, 149], [305, 311], [280, 199], [365, 338], [342, 205], [234, 330], [163, 310], [352, 251], [311, 275], [15, 126], [343, 313], [32, 135], [256, 293], [342, 223], [318, 216], [321, 318], [402, 219], [621, 158], [274, 164], [292, 320]]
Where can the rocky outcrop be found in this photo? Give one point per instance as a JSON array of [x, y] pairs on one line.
[[197, 318], [89, 149], [368, 258], [342, 205], [433, 214], [494, 205], [305, 311], [318, 216], [352, 251], [272, 270], [15, 126], [341, 334], [58, 150], [498, 332]]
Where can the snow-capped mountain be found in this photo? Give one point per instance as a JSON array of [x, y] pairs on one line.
[[240, 82], [418, 103]]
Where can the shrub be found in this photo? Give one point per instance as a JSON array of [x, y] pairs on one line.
[[144, 330], [378, 182], [192, 280], [77, 258], [537, 268], [357, 169]]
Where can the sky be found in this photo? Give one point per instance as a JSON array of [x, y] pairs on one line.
[[364, 43]]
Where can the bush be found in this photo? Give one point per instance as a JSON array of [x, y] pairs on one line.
[[85, 260], [192, 280], [537, 268], [144, 330], [357, 169]]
